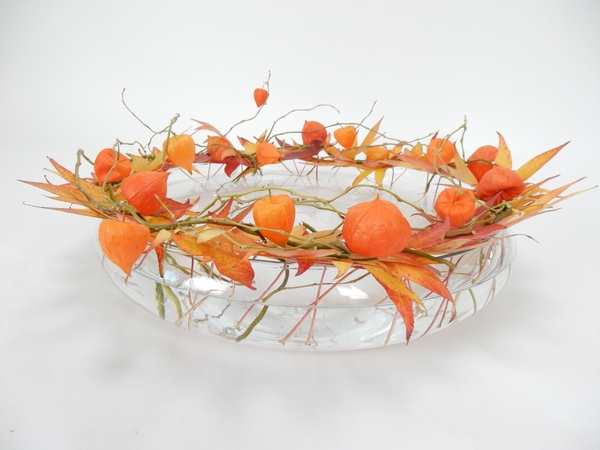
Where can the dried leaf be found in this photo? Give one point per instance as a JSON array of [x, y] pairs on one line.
[[461, 172], [429, 236], [229, 259], [342, 266], [422, 275], [207, 126], [503, 158], [400, 294], [537, 162]]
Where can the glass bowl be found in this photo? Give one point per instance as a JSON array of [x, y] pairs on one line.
[[316, 310]]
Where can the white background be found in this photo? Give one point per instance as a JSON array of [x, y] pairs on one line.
[[82, 367]]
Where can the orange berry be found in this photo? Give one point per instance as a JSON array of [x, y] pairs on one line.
[[375, 229], [277, 212], [260, 96], [181, 151], [145, 191], [123, 242], [376, 153], [499, 181], [267, 153], [482, 160], [456, 204], [312, 131], [440, 151], [107, 170], [345, 136]]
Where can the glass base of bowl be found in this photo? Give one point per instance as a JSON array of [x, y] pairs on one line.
[[318, 310], [358, 315]]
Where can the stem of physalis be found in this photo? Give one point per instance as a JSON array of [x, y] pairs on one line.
[[263, 311], [313, 305], [314, 316]]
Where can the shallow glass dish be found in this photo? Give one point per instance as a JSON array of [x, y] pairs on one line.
[[316, 310]]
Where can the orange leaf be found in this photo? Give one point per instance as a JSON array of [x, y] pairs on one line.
[[95, 192], [233, 264], [64, 192], [422, 275], [229, 260], [400, 294]]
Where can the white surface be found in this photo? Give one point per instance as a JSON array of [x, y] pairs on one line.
[[81, 367]]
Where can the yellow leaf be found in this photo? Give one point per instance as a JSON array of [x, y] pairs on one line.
[[537, 162], [462, 173], [503, 158], [148, 164], [161, 237], [371, 137], [362, 175], [400, 294], [380, 175], [342, 266], [208, 234]]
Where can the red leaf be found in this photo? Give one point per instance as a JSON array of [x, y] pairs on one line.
[[429, 236], [304, 265]]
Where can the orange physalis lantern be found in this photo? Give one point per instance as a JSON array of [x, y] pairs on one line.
[[312, 131], [181, 151], [345, 136], [145, 191], [458, 205], [375, 229], [123, 242], [107, 170], [440, 151], [267, 153], [481, 161], [502, 181], [260, 96], [277, 212]]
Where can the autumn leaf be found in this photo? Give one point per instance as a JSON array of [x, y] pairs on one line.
[[503, 158], [369, 139], [537, 162], [400, 294], [91, 190], [429, 236], [230, 261], [420, 274], [149, 162]]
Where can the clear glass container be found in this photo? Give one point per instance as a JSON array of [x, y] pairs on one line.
[[316, 310]]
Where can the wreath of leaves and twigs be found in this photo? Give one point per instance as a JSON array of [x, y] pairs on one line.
[[477, 197]]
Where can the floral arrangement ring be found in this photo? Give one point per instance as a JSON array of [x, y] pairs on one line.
[[328, 237]]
